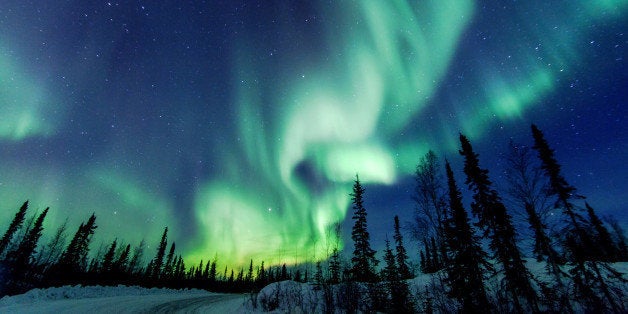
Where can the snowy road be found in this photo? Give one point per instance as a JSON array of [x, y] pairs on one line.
[[214, 303], [191, 301]]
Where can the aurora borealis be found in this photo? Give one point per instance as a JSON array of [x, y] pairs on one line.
[[241, 125]]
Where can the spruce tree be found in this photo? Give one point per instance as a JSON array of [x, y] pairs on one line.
[[231, 277], [318, 274], [582, 243], [25, 250], [497, 223], [136, 260], [181, 273], [206, 271], [402, 255], [606, 248], [467, 263], [284, 272], [334, 267], [396, 286], [178, 267], [554, 295], [261, 275], [73, 259], [23, 255], [620, 238], [429, 262], [158, 261], [422, 262], [168, 267], [21, 260], [16, 223], [542, 244], [240, 277], [436, 260], [585, 272], [51, 252], [120, 265], [212, 271], [199, 271], [108, 259], [363, 259], [249, 274]]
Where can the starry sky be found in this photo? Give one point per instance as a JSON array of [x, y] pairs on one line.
[[241, 124]]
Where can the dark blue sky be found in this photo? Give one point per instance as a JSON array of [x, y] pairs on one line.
[[241, 124]]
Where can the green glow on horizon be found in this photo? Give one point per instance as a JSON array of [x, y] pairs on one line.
[[122, 205]]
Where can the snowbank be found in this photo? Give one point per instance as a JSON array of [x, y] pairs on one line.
[[295, 297], [80, 292], [121, 299]]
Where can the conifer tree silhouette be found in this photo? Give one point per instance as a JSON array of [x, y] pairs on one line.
[[73, 260], [334, 267], [22, 259], [397, 287], [497, 223], [25, 250], [606, 248], [249, 274], [51, 252], [402, 255], [158, 261], [467, 265], [168, 267], [363, 259], [16, 223], [136, 260], [620, 238], [212, 271], [586, 272], [108, 259], [121, 264]]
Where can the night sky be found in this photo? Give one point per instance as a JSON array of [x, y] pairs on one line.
[[241, 124]]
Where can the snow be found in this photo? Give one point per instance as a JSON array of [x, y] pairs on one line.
[[280, 297], [120, 299], [295, 297]]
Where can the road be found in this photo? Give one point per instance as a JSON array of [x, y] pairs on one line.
[[155, 303], [213, 303]]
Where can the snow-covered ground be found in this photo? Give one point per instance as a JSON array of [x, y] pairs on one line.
[[294, 297], [121, 299], [279, 297]]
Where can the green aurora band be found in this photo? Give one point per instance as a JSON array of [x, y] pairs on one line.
[[339, 118], [302, 136], [25, 111]]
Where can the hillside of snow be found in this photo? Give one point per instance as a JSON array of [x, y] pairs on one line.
[[120, 299]]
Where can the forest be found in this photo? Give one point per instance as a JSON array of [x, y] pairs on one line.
[[475, 259]]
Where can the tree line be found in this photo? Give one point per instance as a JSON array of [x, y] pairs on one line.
[[463, 255], [25, 265], [466, 254]]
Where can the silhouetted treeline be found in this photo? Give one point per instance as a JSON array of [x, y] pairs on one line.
[[25, 264], [468, 255], [476, 257]]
